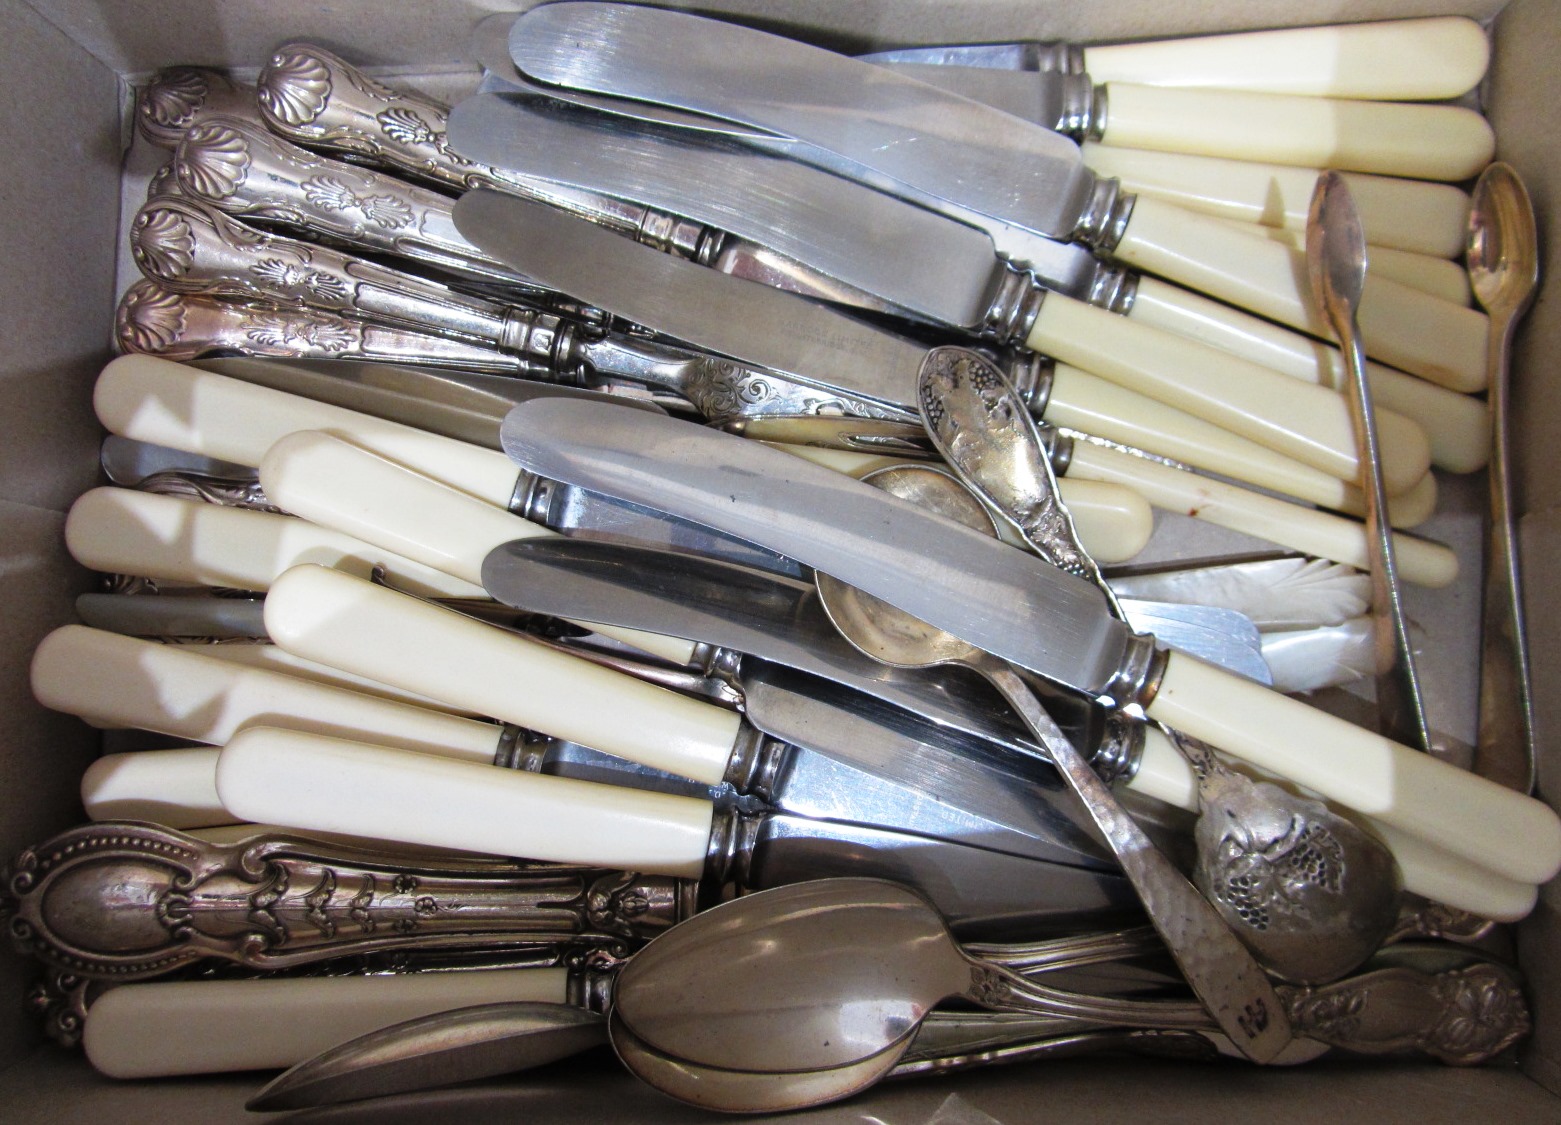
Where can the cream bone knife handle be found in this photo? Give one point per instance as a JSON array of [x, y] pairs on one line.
[[1466, 815], [191, 542], [179, 690], [1306, 422], [1163, 773], [166, 1028], [1440, 277], [339, 485], [1423, 142], [174, 788], [1312, 532], [324, 615], [170, 404], [1403, 327], [1390, 60], [1101, 408], [1415, 215], [1456, 425], [302, 781]]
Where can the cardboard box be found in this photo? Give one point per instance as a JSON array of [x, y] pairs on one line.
[[66, 76]]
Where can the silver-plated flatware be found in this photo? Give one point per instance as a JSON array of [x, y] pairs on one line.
[[1336, 266], [1504, 270]]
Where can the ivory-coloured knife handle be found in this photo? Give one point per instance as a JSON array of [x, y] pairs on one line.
[[1163, 773], [1302, 529], [1306, 422], [267, 656], [180, 691], [123, 531], [1428, 59], [1423, 142], [167, 1028], [1466, 815], [177, 788], [325, 615], [1410, 330], [339, 485], [1456, 424], [171, 404], [1096, 406], [1416, 215], [1114, 522], [321, 784]]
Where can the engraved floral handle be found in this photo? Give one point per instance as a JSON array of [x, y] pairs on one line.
[[128, 900]]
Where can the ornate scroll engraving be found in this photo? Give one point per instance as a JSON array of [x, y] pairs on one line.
[[123, 901]]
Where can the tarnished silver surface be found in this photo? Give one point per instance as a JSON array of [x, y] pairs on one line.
[[194, 617], [178, 96], [1503, 261], [245, 170], [1221, 972], [1336, 270], [125, 901], [1062, 101]]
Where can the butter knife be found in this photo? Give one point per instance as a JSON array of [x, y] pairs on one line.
[[995, 596]]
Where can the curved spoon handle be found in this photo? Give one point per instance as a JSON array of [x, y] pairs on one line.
[[1219, 968], [1412, 60], [1423, 142], [1312, 532], [1306, 422], [1457, 425], [321, 614], [1468, 816], [1416, 215], [1413, 331]]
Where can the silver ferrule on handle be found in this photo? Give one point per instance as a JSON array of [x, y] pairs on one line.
[[274, 902], [179, 96], [1081, 108], [1104, 219], [179, 326], [1137, 678], [241, 168]]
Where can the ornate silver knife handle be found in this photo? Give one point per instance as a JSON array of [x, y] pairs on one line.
[[240, 167], [178, 326], [125, 901], [178, 96]]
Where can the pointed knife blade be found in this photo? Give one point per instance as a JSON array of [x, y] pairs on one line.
[[986, 592]]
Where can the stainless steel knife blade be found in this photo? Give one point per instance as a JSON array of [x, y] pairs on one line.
[[1023, 55], [856, 110], [740, 610], [987, 592], [755, 324]]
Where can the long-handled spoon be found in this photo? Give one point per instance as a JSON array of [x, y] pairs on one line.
[[1219, 968], [1310, 893], [1336, 266], [1504, 271]]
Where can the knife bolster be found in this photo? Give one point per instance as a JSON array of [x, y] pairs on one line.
[[1104, 220], [1121, 749], [729, 858], [1137, 678], [756, 762]]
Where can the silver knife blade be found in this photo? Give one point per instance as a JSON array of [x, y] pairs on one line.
[[984, 895], [142, 615], [755, 324], [1023, 55], [926, 138], [791, 208], [1027, 94], [986, 592], [742, 610]]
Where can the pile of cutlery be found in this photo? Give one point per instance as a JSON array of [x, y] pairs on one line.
[[486, 484]]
